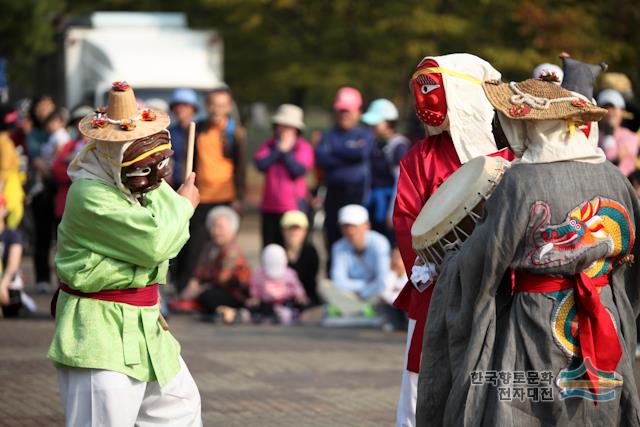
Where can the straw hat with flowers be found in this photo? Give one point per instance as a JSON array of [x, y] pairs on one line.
[[540, 100], [121, 120]]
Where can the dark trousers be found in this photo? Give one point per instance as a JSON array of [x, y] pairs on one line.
[[396, 317], [338, 197], [266, 310], [380, 199], [271, 231], [183, 266], [43, 222], [212, 298]]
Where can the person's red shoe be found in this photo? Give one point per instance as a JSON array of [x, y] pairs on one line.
[[184, 305]]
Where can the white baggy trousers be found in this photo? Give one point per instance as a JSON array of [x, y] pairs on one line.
[[99, 398], [406, 411]]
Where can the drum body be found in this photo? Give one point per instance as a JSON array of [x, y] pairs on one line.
[[448, 218]]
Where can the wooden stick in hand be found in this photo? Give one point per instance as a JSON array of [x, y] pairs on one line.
[[190, 143]]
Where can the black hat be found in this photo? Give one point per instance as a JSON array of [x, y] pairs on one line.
[[579, 76]]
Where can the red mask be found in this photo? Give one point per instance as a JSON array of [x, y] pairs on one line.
[[146, 174], [428, 90]]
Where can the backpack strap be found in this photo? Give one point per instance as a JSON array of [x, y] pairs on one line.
[[230, 130]]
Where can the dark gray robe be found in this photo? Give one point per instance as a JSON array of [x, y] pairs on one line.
[[476, 324]]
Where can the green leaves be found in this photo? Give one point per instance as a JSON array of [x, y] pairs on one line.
[[303, 50]]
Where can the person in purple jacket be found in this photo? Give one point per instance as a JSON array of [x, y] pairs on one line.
[[285, 159], [343, 153]]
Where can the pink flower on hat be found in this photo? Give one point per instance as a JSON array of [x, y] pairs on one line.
[[120, 86], [98, 122], [579, 103], [519, 110]]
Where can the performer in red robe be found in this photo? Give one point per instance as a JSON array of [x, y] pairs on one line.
[[457, 117]]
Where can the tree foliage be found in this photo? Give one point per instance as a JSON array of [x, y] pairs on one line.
[[27, 30], [302, 50]]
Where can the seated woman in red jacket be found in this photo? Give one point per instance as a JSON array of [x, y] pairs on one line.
[[220, 283]]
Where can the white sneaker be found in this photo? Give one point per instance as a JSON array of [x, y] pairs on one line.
[[28, 302]]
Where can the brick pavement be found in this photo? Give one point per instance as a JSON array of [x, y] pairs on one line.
[[247, 375]]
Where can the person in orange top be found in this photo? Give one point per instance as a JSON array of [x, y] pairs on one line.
[[219, 163]]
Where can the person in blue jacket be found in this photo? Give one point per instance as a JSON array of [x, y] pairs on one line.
[[343, 153]]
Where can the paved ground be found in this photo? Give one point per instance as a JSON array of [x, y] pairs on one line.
[[247, 375]]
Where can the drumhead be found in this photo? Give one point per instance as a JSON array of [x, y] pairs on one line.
[[461, 192]]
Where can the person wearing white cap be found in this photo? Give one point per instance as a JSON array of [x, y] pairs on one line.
[[361, 260], [285, 159], [619, 144], [389, 148]]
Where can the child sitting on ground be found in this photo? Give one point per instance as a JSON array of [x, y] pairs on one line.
[[275, 288]]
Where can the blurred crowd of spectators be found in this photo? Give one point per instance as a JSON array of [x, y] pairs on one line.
[[355, 163], [619, 129], [354, 167]]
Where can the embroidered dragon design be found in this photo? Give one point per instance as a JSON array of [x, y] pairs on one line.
[[600, 224]]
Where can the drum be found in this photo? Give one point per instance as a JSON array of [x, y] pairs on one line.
[[452, 212]]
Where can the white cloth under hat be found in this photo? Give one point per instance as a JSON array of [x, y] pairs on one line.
[[289, 115], [353, 215], [469, 113], [100, 160], [548, 141]]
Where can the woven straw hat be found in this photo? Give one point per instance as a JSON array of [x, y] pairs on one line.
[[539, 100], [121, 120]]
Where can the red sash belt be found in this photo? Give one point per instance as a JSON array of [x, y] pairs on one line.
[[598, 337], [140, 297]]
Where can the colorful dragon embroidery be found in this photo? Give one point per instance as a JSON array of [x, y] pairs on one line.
[[601, 224], [600, 229]]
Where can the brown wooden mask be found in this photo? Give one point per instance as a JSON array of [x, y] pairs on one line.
[[146, 163]]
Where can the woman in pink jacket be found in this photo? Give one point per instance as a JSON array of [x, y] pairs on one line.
[[285, 160]]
